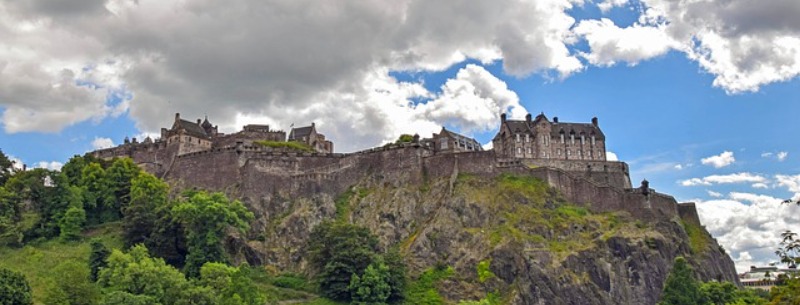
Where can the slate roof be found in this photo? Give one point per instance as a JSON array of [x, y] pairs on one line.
[[192, 129], [585, 128], [467, 140], [299, 133]]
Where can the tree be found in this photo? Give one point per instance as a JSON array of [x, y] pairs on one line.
[[717, 293], [205, 217], [72, 223], [72, 287], [14, 288], [397, 275], [405, 138], [137, 273], [230, 284], [97, 258], [681, 288], [147, 195], [6, 168], [789, 252], [120, 175], [786, 294], [10, 216], [98, 194], [373, 286], [337, 251]]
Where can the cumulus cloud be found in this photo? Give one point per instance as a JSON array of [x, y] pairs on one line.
[[289, 61], [719, 161], [610, 156], [725, 179], [743, 43], [714, 194], [51, 165], [610, 44], [782, 155], [748, 225], [100, 143]]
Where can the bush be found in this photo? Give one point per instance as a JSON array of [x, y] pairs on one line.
[[14, 288]]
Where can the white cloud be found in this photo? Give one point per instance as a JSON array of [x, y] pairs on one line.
[[488, 145], [52, 165], [743, 43], [100, 143], [719, 161], [610, 43], [290, 61], [678, 167], [607, 5], [714, 194], [782, 155], [760, 185], [725, 179], [748, 225], [610, 156], [791, 183], [16, 162]]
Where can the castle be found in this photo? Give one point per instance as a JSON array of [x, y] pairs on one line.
[[569, 156]]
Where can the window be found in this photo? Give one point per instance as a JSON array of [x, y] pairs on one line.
[[559, 152], [583, 139], [529, 150], [562, 138], [572, 138], [519, 150], [444, 144], [592, 140], [569, 153], [517, 138], [527, 138]]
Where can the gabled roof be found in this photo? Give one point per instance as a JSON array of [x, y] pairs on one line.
[[585, 128], [192, 129], [300, 132], [457, 136]]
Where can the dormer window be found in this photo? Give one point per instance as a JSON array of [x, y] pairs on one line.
[[572, 138], [583, 139], [562, 137]]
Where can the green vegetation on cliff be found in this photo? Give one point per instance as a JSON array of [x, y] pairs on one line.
[[298, 146]]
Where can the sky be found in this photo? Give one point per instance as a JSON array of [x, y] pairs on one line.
[[698, 96]]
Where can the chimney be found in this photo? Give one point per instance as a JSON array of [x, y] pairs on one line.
[[177, 116], [594, 121], [555, 119], [198, 121], [503, 118], [528, 117]]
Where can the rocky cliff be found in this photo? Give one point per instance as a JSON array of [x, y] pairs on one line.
[[541, 247]]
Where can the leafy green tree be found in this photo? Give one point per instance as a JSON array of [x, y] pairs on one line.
[[97, 258], [373, 286], [72, 286], [205, 217], [404, 138], [137, 273], [98, 194], [337, 251], [147, 195], [717, 293], [789, 252], [397, 275], [231, 284], [6, 168], [681, 288], [14, 288], [786, 294], [126, 298], [120, 174], [72, 223], [11, 232]]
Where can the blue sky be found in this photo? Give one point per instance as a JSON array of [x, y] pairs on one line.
[[670, 90]]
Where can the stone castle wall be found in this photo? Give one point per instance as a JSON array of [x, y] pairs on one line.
[[253, 172]]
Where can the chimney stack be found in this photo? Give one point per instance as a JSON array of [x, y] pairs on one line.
[[594, 121], [555, 119], [503, 118], [177, 116], [528, 117]]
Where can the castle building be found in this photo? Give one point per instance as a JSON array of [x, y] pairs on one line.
[[450, 142], [309, 136], [540, 138]]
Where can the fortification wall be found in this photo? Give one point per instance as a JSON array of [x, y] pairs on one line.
[[688, 213], [611, 173]]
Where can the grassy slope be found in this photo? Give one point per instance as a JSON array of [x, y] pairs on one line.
[[37, 260]]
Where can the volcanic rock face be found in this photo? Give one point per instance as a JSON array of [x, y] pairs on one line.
[[541, 248]]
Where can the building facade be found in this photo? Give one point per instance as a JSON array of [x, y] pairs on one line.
[[309, 136], [540, 138]]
